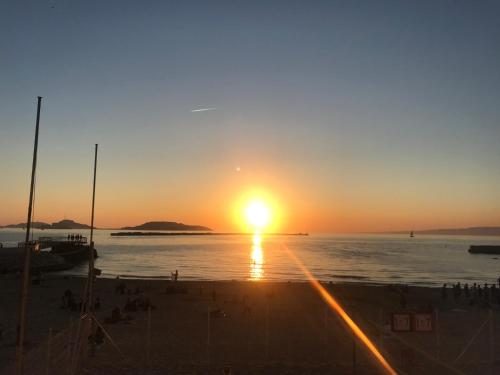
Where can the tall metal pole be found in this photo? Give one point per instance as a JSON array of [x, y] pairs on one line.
[[90, 302], [90, 307], [21, 326]]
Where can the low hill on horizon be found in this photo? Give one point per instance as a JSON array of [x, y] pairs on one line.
[[167, 225], [35, 224], [63, 224], [471, 231], [69, 224]]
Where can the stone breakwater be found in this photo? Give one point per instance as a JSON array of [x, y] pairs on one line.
[[12, 259]]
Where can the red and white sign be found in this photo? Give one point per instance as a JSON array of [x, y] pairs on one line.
[[422, 322], [401, 322]]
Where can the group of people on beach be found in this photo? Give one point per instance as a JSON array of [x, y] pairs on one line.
[[68, 302], [140, 302], [476, 295]]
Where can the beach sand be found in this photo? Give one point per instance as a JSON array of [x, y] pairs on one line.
[[259, 328]]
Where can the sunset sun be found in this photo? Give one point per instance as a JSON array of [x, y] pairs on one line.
[[258, 214]]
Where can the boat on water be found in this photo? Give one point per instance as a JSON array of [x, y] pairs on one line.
[[73, 249], [484, 249]]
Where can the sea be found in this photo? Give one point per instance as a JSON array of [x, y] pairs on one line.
[[426, 260]]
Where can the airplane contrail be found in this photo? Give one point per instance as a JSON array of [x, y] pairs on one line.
[[203, 109]]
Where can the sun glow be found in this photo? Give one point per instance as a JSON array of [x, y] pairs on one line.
[[257, 214], [257, 211]]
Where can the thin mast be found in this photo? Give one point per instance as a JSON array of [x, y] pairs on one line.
[[21, 327], [90, 306]]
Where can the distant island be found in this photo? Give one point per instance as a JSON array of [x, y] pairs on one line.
[[472, 231], [35, 224], [63, 224], [167, 225]]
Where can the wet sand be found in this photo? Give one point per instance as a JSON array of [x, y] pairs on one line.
[[254, 328]]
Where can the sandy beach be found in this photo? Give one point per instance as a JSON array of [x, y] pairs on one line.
[[254, 328]]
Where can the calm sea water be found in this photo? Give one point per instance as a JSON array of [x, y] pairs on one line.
[[422, 260]]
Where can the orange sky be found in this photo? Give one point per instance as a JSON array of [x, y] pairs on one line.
[[214, 198]]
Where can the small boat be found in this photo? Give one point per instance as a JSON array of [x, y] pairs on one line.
[[484, 249]]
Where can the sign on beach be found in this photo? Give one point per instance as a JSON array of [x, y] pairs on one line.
[[422, 322], [401, 322], [408, 322]]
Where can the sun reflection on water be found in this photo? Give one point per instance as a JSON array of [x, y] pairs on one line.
[[257, 258]]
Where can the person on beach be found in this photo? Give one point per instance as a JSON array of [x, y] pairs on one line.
[[72, 303], [120, 288], [402, 300], [66, 297], [130, 305], [97, 338], [175, 276], [116, 315]]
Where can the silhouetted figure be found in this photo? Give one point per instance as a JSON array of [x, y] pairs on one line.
[[120, 288], [176, 275], [72, 303], [402, 300], [130, 305], [466, 290], [99, 336], [68, 294], [116, 314]]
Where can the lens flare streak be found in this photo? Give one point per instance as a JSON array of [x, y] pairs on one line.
[[335, 306]]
